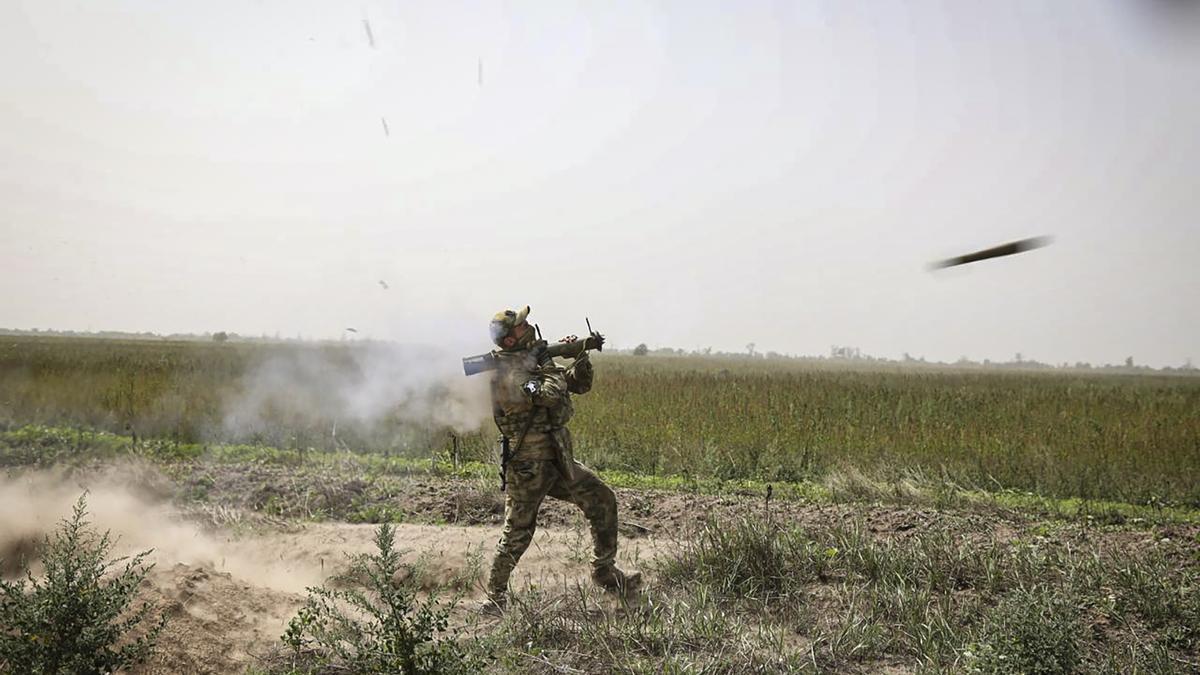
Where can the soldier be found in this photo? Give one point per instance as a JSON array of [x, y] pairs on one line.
[[531, 403]]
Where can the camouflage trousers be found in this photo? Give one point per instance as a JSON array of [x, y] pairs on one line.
[[529, 482]]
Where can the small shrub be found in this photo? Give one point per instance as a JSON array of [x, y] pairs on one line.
[[382, 628], [1035, 631], [750, 560], [78, 618]]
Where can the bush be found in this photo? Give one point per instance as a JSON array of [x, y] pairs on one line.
[[383, 628], [1035, 631], [73, 619], [751, 560]]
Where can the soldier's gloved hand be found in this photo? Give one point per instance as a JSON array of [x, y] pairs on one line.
[[597, 341]]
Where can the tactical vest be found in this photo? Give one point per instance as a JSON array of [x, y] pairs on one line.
[[513, 407]]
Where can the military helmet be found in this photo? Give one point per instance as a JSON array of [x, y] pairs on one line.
[[504, 322]]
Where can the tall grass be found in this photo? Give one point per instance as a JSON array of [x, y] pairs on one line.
[[1069, 434], [1127, 437]]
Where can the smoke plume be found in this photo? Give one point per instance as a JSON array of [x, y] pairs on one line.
[[365, 386]]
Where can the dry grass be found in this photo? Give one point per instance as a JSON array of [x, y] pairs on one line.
[[1133, 438]]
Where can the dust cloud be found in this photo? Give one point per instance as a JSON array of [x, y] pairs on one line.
[[132, 502]]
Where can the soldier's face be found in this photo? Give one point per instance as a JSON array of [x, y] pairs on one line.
[[517, 333]]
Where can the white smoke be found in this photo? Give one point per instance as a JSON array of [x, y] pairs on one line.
[[361, 383]]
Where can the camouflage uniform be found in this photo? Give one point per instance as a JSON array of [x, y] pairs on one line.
[[535, 399]]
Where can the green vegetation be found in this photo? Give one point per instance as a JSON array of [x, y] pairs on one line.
[[380, 627], [1054, 524], [751, 596], [1130, 438], [79, 617], [314, 485]]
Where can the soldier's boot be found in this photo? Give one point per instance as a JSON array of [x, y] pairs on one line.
[[497, 584], [497, 593], [495, 604], [613, 580]]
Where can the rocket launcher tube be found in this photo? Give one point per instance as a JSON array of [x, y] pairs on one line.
[[473, 365]]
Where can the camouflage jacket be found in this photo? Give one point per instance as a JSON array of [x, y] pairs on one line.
[[523, 388]]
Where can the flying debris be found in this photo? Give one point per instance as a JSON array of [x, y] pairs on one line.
[[995, 252], [383, 284], [370, 35], [352, 330], [386, 131]]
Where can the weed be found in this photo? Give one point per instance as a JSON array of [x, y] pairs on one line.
[[80, 616], [382, 628], [1036, 630], [945, 601], [673, 632]]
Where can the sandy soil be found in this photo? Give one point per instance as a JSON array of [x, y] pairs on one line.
[[230, 604], [229, 595]]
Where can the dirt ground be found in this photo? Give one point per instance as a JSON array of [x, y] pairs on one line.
[[227, 616], [231, 576], [230, 591]]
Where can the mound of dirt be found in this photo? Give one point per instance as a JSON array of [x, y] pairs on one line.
[[216, 622]]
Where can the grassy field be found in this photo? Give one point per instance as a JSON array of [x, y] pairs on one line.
[[924, 519], [900, 582], [1133, 438]]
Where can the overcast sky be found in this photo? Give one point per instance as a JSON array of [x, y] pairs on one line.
[[687, 174]]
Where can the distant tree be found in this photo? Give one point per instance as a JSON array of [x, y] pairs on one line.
[[220, 337], [1128, 361], [641, 350], [750, 349]]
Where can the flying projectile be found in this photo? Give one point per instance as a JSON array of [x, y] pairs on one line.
[[994, 252]]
